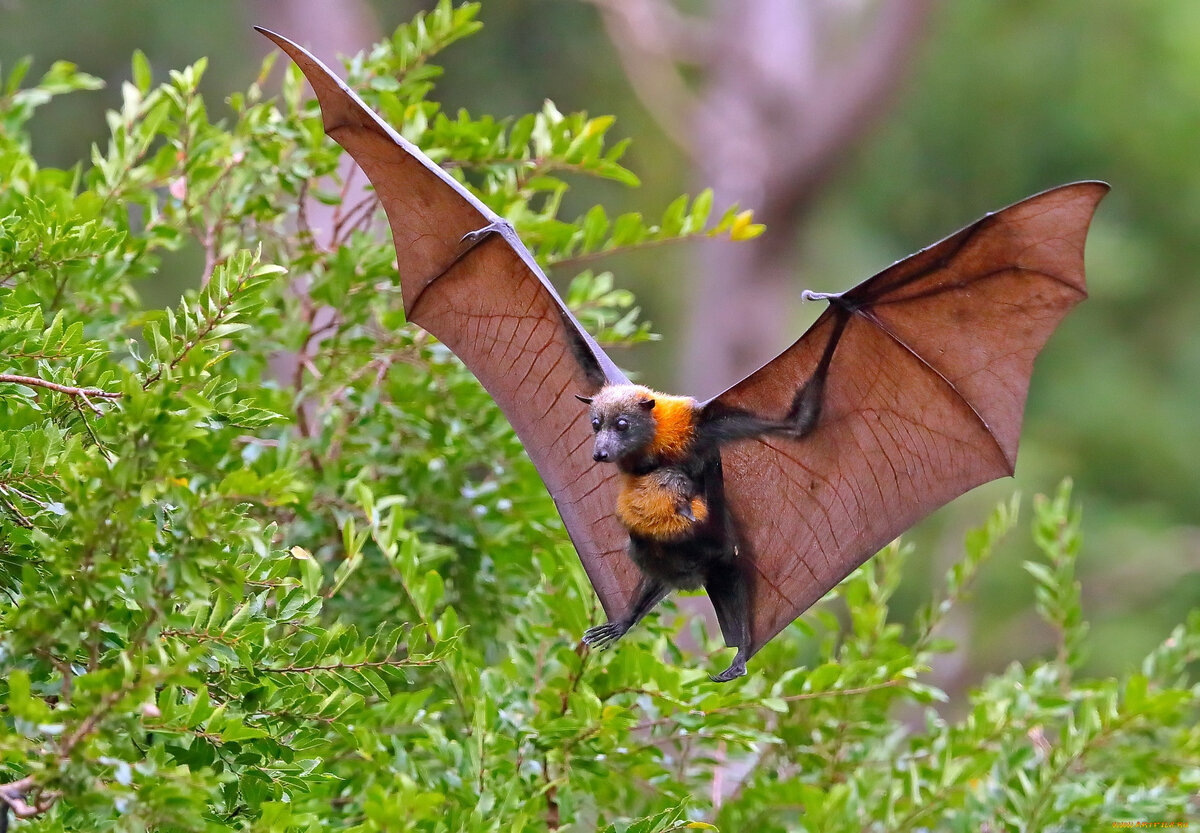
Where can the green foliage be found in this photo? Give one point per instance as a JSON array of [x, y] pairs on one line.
[[271, 560]]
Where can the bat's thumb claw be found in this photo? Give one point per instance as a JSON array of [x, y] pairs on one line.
[[499, 226], [809, 295]]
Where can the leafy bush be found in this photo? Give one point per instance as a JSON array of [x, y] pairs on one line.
[[271, 559]]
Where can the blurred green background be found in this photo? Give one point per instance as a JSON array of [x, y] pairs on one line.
[[1000, 101]]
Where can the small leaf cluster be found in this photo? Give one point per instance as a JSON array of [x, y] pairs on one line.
[[271, 559]]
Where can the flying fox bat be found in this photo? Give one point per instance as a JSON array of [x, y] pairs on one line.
[[907, 391]]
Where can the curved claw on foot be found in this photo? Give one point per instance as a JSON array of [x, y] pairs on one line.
[[603, 636], [737, 669]]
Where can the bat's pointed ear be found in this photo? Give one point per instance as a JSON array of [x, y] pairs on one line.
[[646, 403], [586, 400]]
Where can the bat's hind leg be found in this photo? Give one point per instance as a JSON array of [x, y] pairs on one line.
[[730, 595], [650, 593]]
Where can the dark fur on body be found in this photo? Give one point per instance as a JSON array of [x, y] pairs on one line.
[[678, 443]]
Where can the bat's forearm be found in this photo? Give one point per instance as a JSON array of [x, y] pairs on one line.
[[732, 426]]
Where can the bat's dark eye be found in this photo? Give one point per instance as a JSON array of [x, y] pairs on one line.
[[622, 424], [595, 423]]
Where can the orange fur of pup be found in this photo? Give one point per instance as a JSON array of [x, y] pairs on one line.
[[675, 425], [651, 510]]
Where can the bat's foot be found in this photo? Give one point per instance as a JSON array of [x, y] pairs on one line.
[[736, 669], [603, 636]]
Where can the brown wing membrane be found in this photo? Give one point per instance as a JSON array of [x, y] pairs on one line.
[[926, 368], [466, 278]]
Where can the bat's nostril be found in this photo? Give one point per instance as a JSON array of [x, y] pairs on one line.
[[600, 456]]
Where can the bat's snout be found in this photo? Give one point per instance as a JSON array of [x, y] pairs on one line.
[[600, 456]]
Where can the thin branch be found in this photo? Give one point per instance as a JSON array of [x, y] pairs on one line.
[[358, 214], [17, 515], [1058, 773], [63, 667], [309, 314], [553, 817], [199, 636], [340, 211], [8, 487], [584, 655], [13, 795], [87, 425], [599, 254], [340, 666], [751, 704], [89, 723], [209, 326], [69, 390]]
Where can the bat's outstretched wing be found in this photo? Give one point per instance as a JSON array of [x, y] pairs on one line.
[[468, 280], [920, 376]]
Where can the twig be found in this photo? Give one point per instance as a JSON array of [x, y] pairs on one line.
[[359, 213], [383, 663], [69, 390], [8, 487], [209, 326], [13, 796], [18, 516], [89, 723], [750, 704], [302, 422], [91, 406], [553, 816], [584, 655], [83, 418], [341, 203], [302, 224], [599, 254], [63, 667]]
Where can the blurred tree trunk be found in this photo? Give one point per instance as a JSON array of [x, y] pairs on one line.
[[785, 91], [328, 30]]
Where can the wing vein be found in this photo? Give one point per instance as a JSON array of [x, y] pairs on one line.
[[961, 285], [870, 317]]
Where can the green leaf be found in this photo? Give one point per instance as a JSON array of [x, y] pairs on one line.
[[141, 71]]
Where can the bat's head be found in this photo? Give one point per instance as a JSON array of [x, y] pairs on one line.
[[623, 420], [633, 423]]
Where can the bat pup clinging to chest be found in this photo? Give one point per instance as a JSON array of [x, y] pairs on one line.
[[672, 503]]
